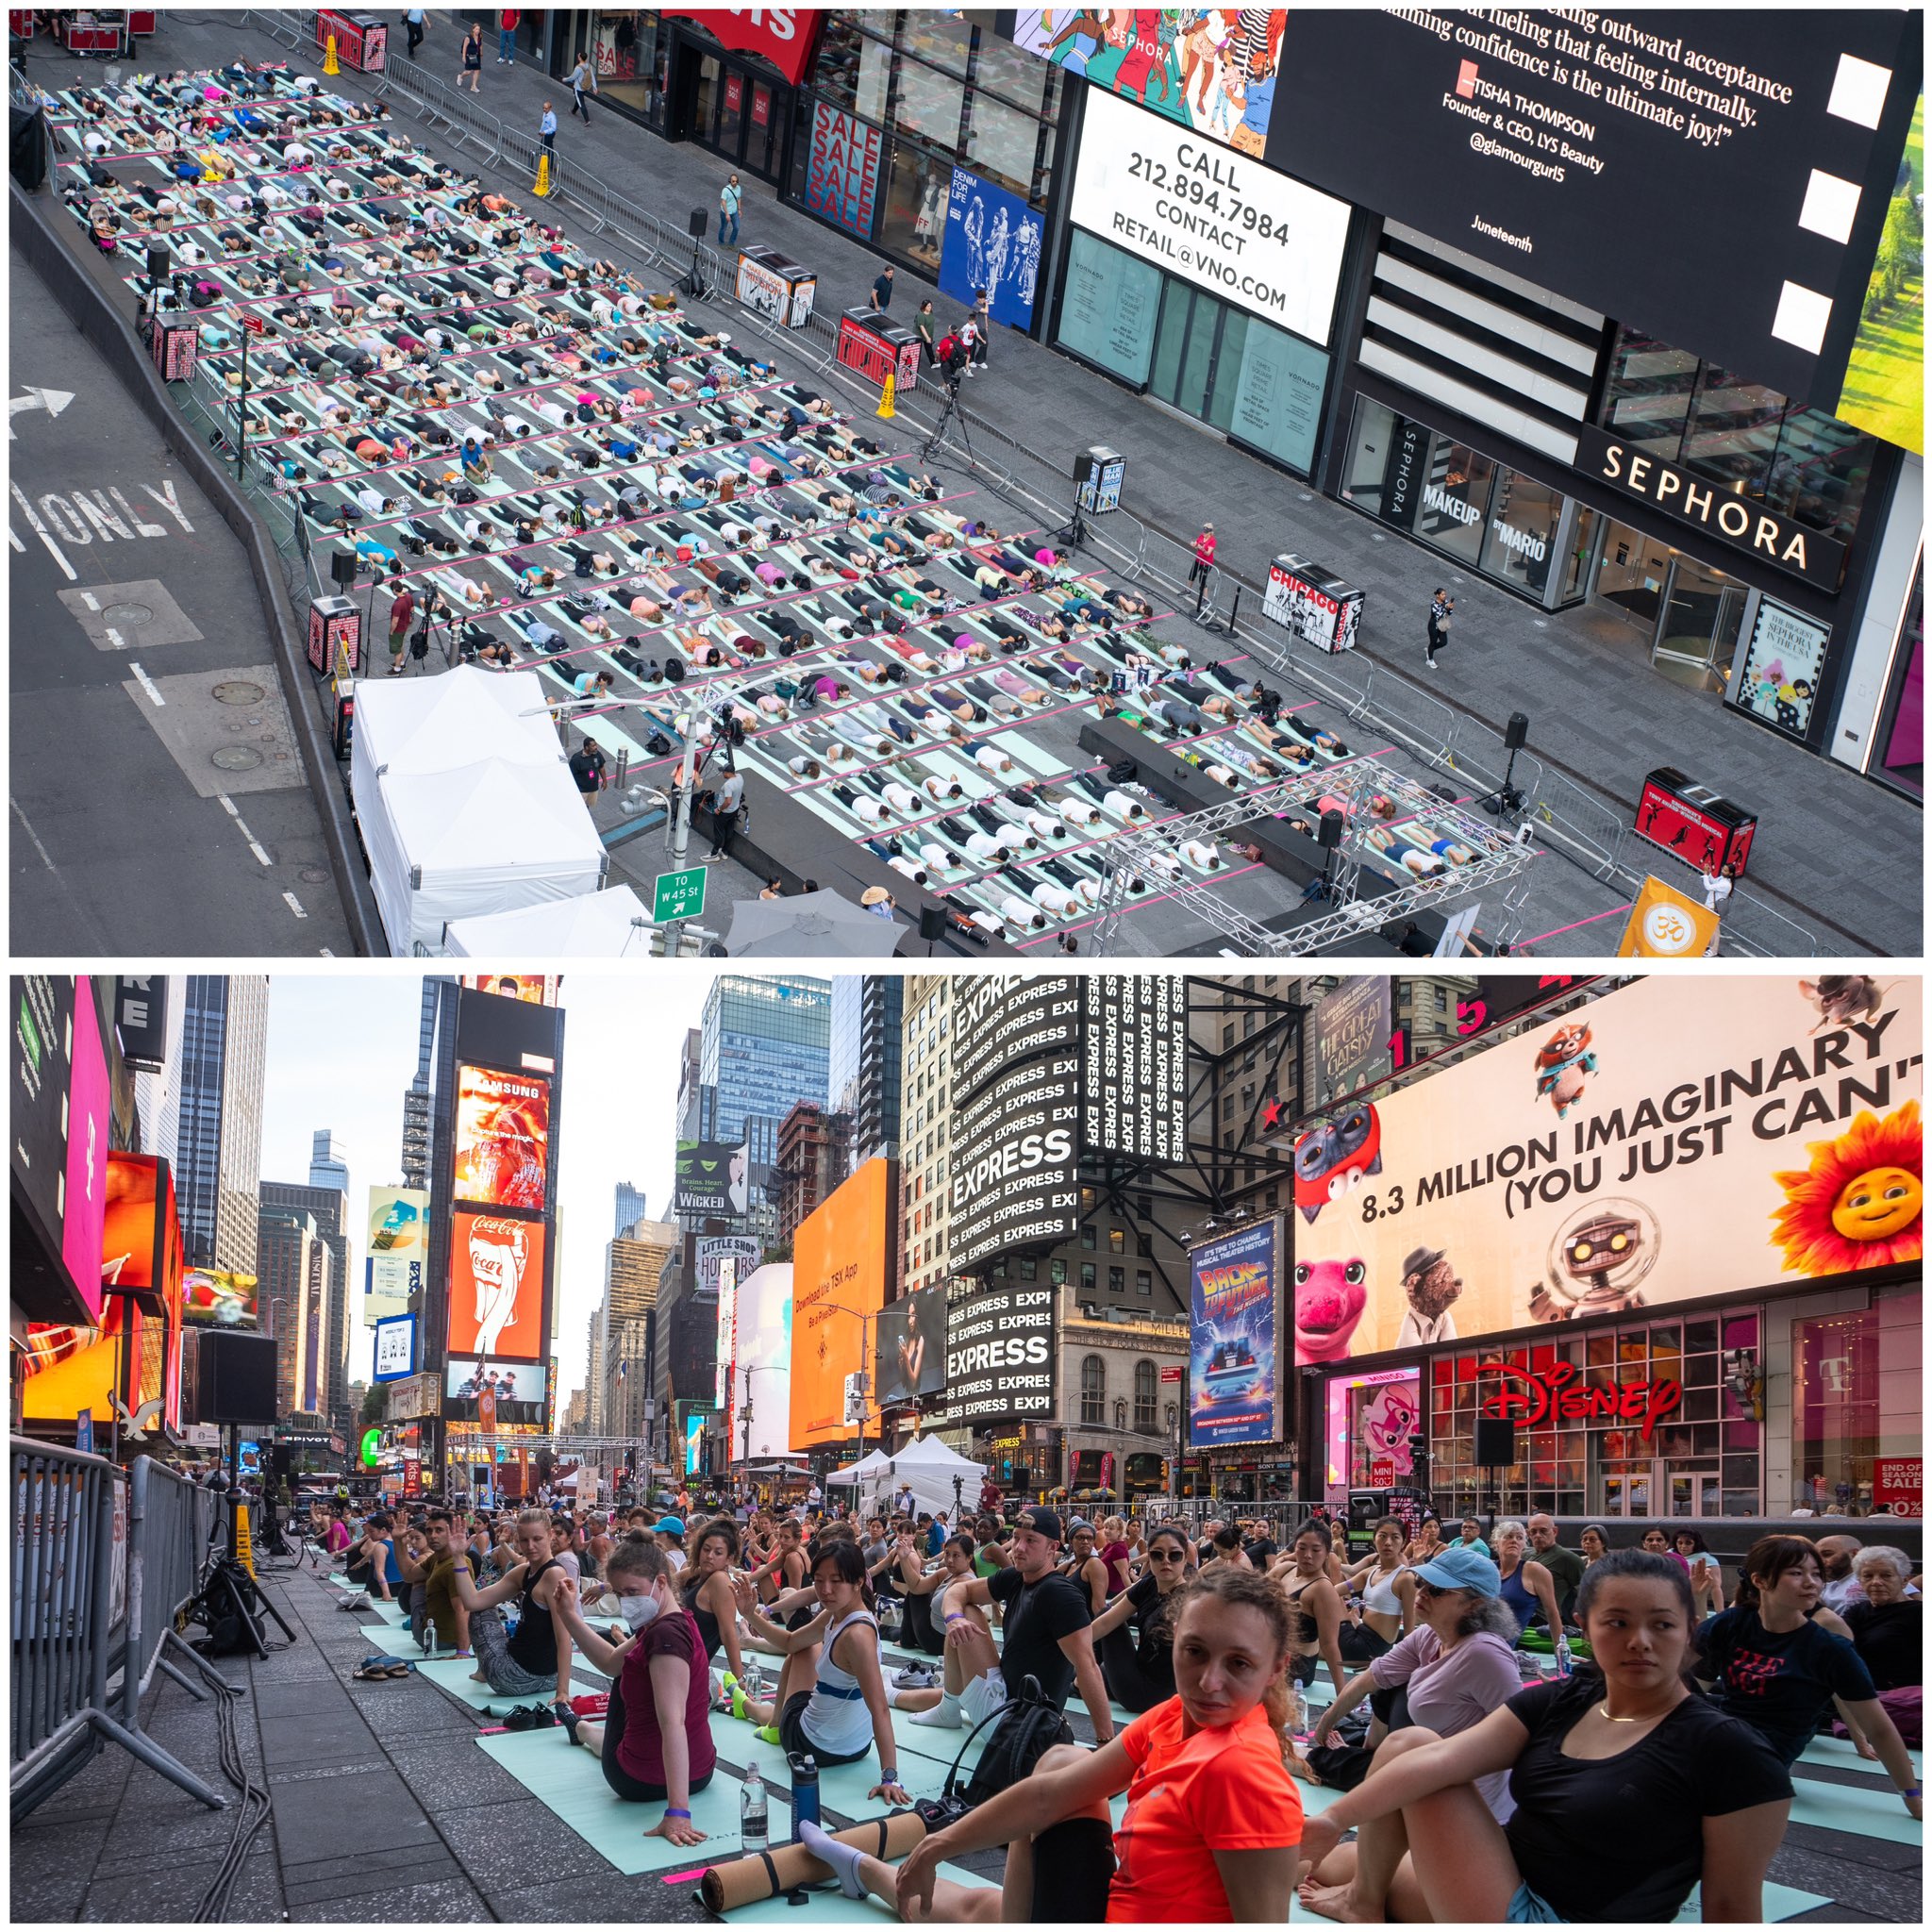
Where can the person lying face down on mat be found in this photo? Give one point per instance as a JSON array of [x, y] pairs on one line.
[[833, 1700], [654, 1744], [1213, 1818], [536, 1657]]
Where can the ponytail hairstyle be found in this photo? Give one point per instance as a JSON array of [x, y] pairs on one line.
[[1769, 1558], [726, 1531], [1245, 1589]]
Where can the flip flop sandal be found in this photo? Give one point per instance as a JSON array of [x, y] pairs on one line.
[[376, 1674]]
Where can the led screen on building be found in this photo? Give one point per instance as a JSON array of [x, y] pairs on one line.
[[503, 1138], [496, 1289], [838, 1260]]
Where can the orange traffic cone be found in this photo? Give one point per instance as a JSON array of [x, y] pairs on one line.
[[330, 64], [885, 407], [543, 186]]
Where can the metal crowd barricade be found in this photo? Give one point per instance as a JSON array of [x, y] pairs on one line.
[[72, 1550], [171, 1523]]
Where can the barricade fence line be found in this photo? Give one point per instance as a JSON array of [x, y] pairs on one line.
[[1582, 827], [171, 1523]]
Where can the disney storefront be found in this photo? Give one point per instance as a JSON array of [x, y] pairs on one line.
[[1761, 1407]]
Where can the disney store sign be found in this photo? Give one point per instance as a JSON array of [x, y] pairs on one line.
[[1533, 1398]]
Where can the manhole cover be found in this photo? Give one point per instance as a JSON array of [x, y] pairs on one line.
[[314, 876], [131, 615], [237, 757], [240, 690]]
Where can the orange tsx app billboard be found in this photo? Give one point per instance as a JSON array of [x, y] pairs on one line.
[[838, 1275]]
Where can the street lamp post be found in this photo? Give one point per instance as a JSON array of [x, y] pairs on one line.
[[864, 1322]]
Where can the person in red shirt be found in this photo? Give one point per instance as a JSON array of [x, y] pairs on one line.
[[507, 21], [1204, 555], [400, 612], [1213, 1823], [654, 1742]]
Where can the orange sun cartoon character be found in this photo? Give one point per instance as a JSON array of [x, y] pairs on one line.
[[1860, 1203]]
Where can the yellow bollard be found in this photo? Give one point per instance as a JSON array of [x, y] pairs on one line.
[[543, 186], [885, 407], [330, 64]]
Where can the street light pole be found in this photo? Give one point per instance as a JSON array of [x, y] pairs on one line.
[[864, 1322]]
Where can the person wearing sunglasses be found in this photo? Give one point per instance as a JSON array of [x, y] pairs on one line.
[[1448, 1673], [1134, 1635]]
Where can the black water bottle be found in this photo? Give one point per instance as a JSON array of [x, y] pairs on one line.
[[805, 1788]]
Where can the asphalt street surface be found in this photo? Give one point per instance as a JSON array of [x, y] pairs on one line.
[[157, 799]]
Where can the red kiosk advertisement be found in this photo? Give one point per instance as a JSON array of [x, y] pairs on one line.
[[1692, 823], [361, 40], [874, 348]]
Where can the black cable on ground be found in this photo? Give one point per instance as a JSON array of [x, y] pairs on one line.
[[250, 1815]]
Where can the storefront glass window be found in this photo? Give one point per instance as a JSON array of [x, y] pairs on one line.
[[1370, 450], [1521, 537], [1455, 499], [1276, 404], [1902, 732], [913, 222], [1576, 562], [930, 102], [1005, 146], [1738, 434], [1020, 77], [943, 38], [1109, 308], [626, 48], [1835, 1409]]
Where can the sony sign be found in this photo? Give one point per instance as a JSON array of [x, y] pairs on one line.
[[1000, 1355]]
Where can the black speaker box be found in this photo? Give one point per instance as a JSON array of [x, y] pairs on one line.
[[1328, 835], [1516, 733], [932, 922], [236, 1377], [699, 222], [1496, 1442]]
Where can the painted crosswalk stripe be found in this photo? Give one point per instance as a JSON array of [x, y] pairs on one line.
[[147, 684], [294, 905], [242, 827]]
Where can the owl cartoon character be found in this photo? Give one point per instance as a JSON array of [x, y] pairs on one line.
[[1563, 1063]]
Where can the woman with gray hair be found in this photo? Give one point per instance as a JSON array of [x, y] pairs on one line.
[[1451, 1672], [1888, 1631], [1527, 1590]]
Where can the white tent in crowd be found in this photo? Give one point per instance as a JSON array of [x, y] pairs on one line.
[[613, 925], [868, 1465], [465, 801], [927, 1467]]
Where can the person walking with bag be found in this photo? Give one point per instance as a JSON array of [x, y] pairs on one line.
[[473, 59], [583, 80], [1441, 609], [728, 197]]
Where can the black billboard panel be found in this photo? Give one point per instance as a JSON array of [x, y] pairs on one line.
[[1717, 180], [1136, 1049], [1000, 1355]]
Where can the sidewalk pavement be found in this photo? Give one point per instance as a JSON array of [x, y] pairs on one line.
[[1832, 847]]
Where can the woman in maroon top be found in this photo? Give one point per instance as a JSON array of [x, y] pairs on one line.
[[654, 1744]]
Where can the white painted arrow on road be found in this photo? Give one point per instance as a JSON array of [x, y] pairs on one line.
[[51, 400]]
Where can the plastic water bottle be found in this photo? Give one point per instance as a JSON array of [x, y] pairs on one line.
[[1297, 1710], [805, 1788], [754, 1813]]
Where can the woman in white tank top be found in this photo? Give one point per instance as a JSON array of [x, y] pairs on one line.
[[1388, 1596]]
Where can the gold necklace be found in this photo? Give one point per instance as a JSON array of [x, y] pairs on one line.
[[1605, 1708]]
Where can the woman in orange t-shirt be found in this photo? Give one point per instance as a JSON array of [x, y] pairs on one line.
[[1213, 1821]]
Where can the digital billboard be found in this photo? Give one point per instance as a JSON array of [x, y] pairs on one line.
[[533, 988], [992, 245], [395, 1348], [215, 1298], [496, 1299], [491, 1392], [1762, 144], [1134, 1037], [1211, 71], [1349, 1046], [764, 1347], [1236, 1378], [1570, 1172], [722, 1391], [839, 1263], [712, 1178], [1001, 1359], [503, 1138], [398, 1251], [140, 1020], [911, 1353], [714, 1250]]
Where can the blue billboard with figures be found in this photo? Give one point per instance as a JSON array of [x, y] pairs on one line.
[[1235, 1381], [992, 242]]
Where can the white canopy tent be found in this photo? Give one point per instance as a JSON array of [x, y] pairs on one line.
[[466, 803], [612, 925], [927, 1467], [869, 1464]]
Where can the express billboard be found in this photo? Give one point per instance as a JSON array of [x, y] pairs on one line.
[[838, 1260], [1134, 1048], [1570, 1173], [502, 1137], [398, 1251], [1762, 145], [1236, 1382], [1001, 1359], [911, 1352], [497, 1288]]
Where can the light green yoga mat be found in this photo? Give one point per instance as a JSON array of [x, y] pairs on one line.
[[452, 1675], [1878, 1812], [570, 1781]]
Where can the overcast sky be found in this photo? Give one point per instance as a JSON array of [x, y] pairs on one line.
[[342, 1050]]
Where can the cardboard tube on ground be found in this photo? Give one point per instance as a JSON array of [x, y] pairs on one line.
[[746, 1881]]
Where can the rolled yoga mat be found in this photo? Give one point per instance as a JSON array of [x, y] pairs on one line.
[[765, 1875]]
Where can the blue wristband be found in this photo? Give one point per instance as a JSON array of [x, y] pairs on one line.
[[673, 1811]]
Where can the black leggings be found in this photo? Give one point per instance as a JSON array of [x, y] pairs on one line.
[[634, 1789], [1072, 1869], [919, 1630], [1130, 1682]]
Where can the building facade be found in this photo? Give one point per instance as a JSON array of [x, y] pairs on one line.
[[218, 1096], [326, 1206], [764, 1047], [814, 1156]]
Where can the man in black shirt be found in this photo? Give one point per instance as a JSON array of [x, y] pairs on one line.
[[1048, 1636]]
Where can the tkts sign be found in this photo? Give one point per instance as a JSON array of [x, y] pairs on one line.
[[784, 35], [1537, 1399]]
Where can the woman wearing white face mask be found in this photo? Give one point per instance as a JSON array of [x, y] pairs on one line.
[[654, 1742]]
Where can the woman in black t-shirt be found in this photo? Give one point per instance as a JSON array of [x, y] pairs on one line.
[[1134, 1635], [1631, 1758], [1779, 1661], [1888, 1628]]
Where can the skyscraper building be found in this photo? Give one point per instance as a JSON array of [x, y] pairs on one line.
[[416, 1098], [630, 1208], [216, 1099], [764, 1048], [327, 1167], [295, 1268], [327, 1208], [868, 1011], [632, 1263]]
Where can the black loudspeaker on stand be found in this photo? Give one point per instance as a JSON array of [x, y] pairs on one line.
[[697, 226], [1506, 799]]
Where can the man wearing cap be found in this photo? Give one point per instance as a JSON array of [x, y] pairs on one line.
[[1048, 1635], [1204, 555], [1432, 1285]]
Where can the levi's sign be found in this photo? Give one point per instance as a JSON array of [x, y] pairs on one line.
[[1710, 508]]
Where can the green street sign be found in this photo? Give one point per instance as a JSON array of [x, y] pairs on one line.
[[371, 1448], [680, 895]]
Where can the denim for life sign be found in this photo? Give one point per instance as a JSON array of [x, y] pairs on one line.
[[842, 179], [992, 242]]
